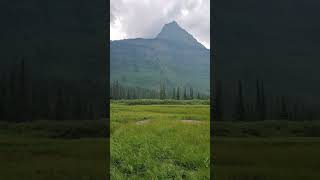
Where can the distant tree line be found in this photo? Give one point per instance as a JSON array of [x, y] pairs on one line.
[[23, 98], [119, 91], [242, 107]]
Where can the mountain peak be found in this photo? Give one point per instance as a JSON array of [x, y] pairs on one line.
[[173, 23], [174, 33]]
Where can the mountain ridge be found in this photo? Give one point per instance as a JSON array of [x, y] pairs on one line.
[[165, 35], [143, 62], [174, 32]]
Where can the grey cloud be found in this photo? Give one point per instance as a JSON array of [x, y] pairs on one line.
[[145, 18]]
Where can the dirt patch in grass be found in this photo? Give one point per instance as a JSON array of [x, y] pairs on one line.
[[142, 122], [190, 121]]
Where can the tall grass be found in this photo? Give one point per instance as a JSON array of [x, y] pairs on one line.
[[162, 148]]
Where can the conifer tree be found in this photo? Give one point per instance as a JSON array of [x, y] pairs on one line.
[[258, 98], [164, 91], [178, 93], [185, 93], [117, 90], [174, 93], [128, 94], [240, 105], [91, 112], [161, 91], [263, 103], [23, 113], [284, 113], [191, 93], [295, 111], [3, 101], [59, 108]]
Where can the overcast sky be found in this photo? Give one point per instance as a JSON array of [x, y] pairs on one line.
[[145, 18]]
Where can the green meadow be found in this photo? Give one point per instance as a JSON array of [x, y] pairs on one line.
[[267, 150], [170, 140], [266, 158], [160, 141], [66, 150]]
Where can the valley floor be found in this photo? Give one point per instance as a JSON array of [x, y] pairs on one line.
[[160, 141], [53, 150], [266, 158], [164, 141]]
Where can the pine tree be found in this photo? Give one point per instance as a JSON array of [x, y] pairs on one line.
[[160, 91], [164, 91], [60, 109], [240, 105], [117, 90], [91, 112], [258, 100], [191, 93], [3, 101], [178, 93], [128, 94], [263, 103], [284, 113], [23, 104], [185, 93], [173, 93], [295, 111]]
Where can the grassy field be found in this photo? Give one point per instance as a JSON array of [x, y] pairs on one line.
[[149, 141], [159, 141], [41, 150], [266, 158], [267, 150]]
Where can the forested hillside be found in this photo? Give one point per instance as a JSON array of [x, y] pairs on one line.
[[173, 58]]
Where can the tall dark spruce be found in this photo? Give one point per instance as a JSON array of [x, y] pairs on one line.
[[240, 112], [263, 103]]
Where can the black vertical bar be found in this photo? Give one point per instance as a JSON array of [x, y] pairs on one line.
[[107, 40], [213, 78]]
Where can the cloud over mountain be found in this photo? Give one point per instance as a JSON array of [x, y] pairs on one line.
[[132, 19]]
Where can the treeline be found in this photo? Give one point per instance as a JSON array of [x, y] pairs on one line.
[[242, 106], [119, 91], [24, 98]]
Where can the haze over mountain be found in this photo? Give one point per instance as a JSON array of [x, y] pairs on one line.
[[174, 57]]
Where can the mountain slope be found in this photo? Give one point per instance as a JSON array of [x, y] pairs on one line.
[[174, 57]]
